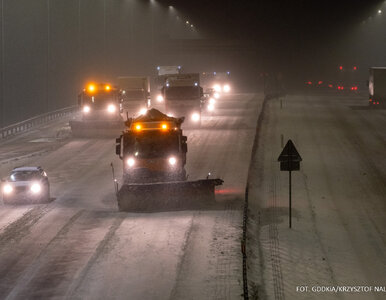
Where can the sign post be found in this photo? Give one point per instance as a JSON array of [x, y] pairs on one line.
[[289, 160]]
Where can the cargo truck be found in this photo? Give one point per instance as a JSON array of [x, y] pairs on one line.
[[377, 87]]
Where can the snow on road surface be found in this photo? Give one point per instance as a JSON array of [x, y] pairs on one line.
[[338, 198], [80, 247]]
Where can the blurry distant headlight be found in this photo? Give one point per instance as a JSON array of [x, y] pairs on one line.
[[7, 189], [210, 107], [212, 101], [172, 160], [196, 117], [143, 111], [217, 88], [36, 188], [160, 98], [216, 95], [111, 108], [130, 161], [86, 109], [226, 88]]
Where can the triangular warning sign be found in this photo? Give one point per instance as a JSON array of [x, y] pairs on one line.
[[289, 153]]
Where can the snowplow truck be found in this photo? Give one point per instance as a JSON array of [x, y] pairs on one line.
[[135, 92], [182, 94], [100, 108], [153, 152]]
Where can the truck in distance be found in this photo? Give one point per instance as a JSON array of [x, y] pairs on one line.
[[100, 107]]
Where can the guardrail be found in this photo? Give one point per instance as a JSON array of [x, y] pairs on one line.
[[23, 126]]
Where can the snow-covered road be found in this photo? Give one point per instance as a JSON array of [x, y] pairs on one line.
[[80, 247], [338, 237]]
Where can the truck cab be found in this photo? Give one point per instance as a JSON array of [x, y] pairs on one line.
[[153, 149], [100, 101]]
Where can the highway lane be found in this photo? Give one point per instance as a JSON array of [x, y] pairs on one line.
[[79, 246], [338, 200]]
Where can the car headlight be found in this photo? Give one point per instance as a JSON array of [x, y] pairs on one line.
[[86, 109], [217, 88], [195, 117], [111, 108], [212, 101], [143, 111], [36, 188], [172, 161], [210, 107], [216, 95], [7, 189], [130, 162], [226, 88], [160, 98]]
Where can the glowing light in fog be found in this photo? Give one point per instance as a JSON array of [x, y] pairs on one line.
[[111, 108], [226, 88], [172, 161], [160, 98], [210, 107], [217, 88], [143, 111], [195, 117], [130, 162], [86, 109]]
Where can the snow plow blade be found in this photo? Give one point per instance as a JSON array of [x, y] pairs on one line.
[[97, 129], [163, 196]]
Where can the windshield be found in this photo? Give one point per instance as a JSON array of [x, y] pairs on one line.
[[182, 92], [100, 99], [24, 175], [154, 145]]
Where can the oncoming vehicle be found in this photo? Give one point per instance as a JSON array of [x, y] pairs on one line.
[[101, 108], [26, 185], [153, 152]]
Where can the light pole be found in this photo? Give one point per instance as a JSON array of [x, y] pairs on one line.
[[48, 56], [2, 67]]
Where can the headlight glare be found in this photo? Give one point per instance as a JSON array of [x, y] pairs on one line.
[[160, 98], [172, 161], [36, 188], [195, 117], [86, 109], [111, 108], [7, 189], [226, 88], [130, 162]]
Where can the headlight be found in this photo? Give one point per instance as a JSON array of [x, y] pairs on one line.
[[36, 188], [212, 101], [226, 88], [217, 88], [143, 111], [160, 98], [210, 107], [130, 162], [7, 189], [172, 160], [111, 108], [86, 109], [216, 95], [195, 117]]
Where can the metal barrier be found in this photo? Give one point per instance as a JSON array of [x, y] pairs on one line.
[[246, 202], [23, 126]]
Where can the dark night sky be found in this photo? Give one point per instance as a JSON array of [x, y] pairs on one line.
[[245, 18]]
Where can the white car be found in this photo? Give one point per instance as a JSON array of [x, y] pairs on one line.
[[26, 185]]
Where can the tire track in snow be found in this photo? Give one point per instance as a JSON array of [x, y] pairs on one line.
[[30, 272]]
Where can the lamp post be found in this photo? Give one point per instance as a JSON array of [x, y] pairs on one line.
[[2, 67]]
